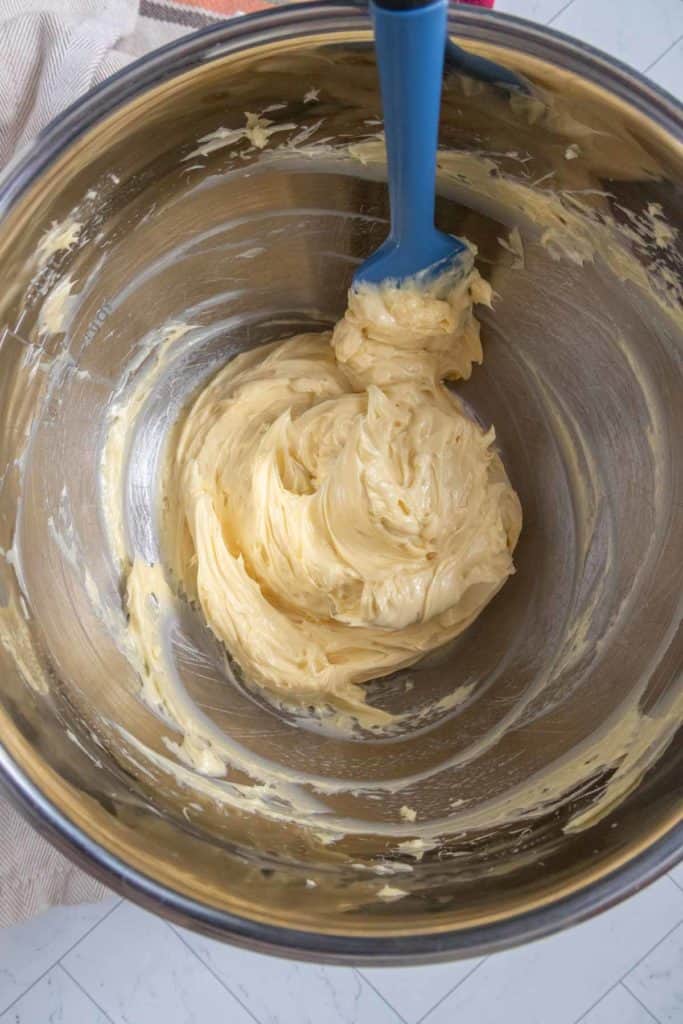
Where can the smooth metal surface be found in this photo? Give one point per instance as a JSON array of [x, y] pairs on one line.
[[581, 377]]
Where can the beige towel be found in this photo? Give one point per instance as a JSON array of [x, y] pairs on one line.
[[33, 875]]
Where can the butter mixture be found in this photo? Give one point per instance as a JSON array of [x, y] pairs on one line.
[[329, 503]]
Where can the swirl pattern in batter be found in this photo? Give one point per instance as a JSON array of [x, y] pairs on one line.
[[331, 506]]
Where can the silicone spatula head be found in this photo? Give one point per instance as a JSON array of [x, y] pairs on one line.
[[410, 41]]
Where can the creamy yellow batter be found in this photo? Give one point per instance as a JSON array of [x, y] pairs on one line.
[[331, 506]]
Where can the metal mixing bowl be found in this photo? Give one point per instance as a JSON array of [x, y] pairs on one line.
[[540, 748]]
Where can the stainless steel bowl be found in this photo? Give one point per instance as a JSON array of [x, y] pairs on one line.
[[540, 749]]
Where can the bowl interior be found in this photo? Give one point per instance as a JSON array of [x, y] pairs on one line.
[[536, 749]]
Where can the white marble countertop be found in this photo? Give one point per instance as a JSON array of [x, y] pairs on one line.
[[115, 963]]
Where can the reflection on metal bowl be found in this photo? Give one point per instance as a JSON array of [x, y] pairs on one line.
[[147, 236]]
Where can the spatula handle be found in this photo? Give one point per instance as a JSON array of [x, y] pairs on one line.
[[410, 41]]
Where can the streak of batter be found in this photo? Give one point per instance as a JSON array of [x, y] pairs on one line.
[[331, 506]]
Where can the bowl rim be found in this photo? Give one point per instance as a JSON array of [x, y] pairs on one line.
[[190, 51]]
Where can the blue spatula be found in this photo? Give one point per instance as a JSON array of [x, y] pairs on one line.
[[410, 41]]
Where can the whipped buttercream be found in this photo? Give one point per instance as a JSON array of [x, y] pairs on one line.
[[331, 506]]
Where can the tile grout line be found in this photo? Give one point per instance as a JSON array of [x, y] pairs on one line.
[[359, 972], [662, 55], [677, 884], [85, 935], [558, 13], [78, 985], [621, 980], [57, 962], [597, 1001], [651, 949], [213, 973], [455, 987], [640, 1002]]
